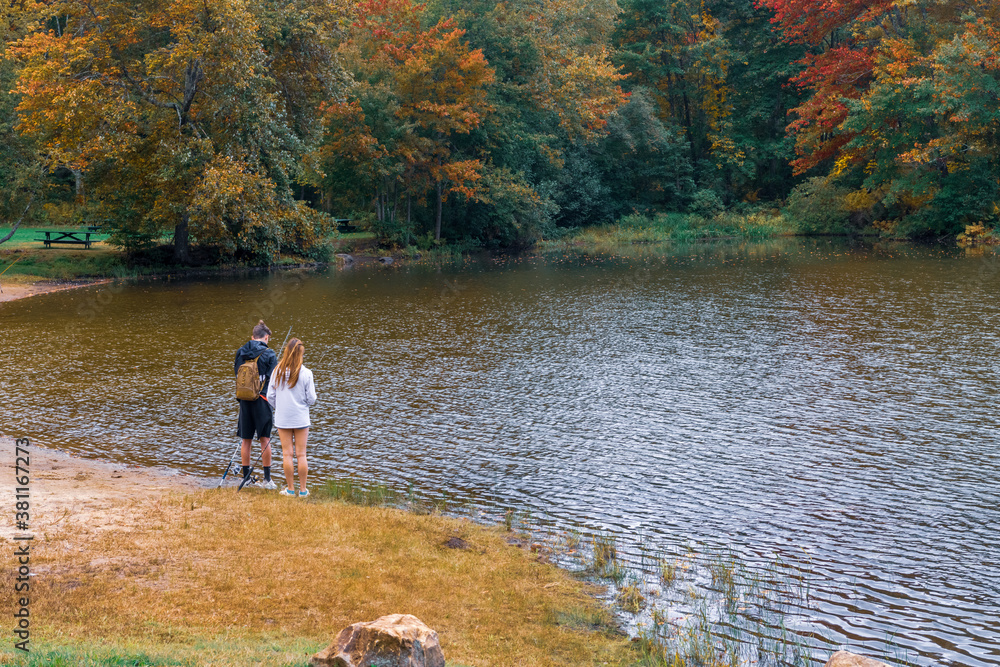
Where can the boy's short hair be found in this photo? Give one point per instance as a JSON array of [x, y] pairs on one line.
[[260, 330]]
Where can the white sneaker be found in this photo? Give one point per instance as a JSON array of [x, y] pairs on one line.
[[268, 484]]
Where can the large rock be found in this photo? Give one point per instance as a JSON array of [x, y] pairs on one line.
[[845, 659], [400, 640]]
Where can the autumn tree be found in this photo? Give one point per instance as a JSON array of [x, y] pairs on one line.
[[186, 117], [555, 93], [901, 107], [22, 180], [417, 88]]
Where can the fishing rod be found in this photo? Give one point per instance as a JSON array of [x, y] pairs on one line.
[[250, 474], [231, 459], [8, 268]]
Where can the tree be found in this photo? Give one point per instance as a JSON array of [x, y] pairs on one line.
[[553, 99], [417, 89], [182, 114], [21, 173], [901, 105], [717, 72]]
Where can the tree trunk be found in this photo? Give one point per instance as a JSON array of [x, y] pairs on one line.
[[182, 253], [78, 182], [18, 223], [437, 222]]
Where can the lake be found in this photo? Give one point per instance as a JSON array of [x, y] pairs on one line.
[[831, 405]]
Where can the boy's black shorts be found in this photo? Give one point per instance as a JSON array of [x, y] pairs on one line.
[[255, 417]]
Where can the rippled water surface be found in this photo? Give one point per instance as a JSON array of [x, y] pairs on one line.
[[832, 406]]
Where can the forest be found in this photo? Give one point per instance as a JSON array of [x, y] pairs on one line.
[[249, 127]]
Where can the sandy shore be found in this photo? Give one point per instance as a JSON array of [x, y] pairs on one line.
[[95, 495], [15, 291]]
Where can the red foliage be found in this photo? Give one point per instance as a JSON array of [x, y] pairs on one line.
[[834, 76], [810, 21]]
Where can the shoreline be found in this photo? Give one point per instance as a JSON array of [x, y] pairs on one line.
[[67, 489], [17, 291], [140, 565], [25, 286]]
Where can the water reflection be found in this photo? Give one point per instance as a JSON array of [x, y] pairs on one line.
[[827, 404]]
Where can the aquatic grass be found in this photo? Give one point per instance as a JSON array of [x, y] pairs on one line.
[[572, 539], [517, 520], [739, 617], [691, 646], [630, 598], [723, 571], [605, 562], [605, 552], [668, 571], [353, 492]]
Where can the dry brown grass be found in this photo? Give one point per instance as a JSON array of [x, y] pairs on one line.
[[262, 569]]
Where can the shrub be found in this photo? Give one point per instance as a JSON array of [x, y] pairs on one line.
[[819, 207], [706, 203]]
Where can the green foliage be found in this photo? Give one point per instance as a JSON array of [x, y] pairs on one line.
[[819, 206], [639, 165], [705, 203]]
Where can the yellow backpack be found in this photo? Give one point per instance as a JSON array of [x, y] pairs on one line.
[[248, 382]]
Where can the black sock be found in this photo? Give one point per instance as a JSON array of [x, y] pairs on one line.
[[267, 473], [246, 471]]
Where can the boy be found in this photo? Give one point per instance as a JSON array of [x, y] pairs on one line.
[[256, 416]]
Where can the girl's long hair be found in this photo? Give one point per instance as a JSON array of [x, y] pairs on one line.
[[287, 372]]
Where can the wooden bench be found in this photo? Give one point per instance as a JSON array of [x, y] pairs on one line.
[[344, 225], [71, 236]]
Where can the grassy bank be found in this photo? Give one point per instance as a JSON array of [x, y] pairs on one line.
[[222, 578], [35, 262], [678, 227], [27, 260]]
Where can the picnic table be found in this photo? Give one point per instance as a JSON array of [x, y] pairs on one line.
[[73, 236], [344, 225]]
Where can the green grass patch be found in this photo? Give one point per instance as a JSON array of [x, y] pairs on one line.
[[678, 228], [586, 620], [191, 651], [26, 256]]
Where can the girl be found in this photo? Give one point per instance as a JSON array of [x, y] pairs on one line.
[[291, 393]]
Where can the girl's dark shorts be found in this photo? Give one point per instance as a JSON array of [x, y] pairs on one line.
[[255, 417]]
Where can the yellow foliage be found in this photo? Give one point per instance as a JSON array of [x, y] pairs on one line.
[[862, 200], [916, 200], [887, 227], [977, 235]]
